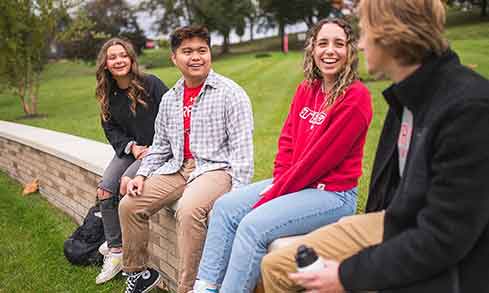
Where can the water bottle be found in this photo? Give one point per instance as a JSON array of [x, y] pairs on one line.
[[307, 260]]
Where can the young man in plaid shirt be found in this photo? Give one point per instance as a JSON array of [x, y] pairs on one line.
[[202, 148]]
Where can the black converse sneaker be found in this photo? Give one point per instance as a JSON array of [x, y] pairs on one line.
[[142, 282]]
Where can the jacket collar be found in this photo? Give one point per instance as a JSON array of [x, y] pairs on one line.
[[211, 81], [417, 88]]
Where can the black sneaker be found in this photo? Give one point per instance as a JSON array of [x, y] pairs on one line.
[[142, 282]]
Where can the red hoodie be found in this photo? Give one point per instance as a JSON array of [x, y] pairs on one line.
[[321, 150]]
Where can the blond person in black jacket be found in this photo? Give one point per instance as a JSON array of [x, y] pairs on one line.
[[427, 223], [129, 101]]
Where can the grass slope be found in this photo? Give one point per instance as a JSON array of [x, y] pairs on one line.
[[31, 247]]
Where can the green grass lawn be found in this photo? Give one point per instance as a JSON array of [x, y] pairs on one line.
[[31, 247], [67, 98]]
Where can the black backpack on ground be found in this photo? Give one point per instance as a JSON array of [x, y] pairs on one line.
[[81, 248]]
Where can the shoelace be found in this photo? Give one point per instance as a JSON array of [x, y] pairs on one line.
[[131, 281]]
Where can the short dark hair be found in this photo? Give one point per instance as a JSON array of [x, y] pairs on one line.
[[188, 32]]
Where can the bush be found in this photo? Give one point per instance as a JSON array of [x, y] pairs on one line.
[[164, 44], [155, 58]]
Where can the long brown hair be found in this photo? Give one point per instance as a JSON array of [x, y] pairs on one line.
[[136, 92], [347, 75]]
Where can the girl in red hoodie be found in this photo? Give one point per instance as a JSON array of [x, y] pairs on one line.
[[316, 172]]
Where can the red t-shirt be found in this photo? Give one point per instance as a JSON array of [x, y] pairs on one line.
[[189, 97]]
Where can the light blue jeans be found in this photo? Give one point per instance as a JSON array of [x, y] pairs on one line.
[[238, 236]]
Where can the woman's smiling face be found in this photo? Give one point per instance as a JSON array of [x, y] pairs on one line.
[[118, 61], [330, 51]]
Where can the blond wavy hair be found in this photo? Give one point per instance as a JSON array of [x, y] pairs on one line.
[[408, 30], [136, 92], [349, 72]]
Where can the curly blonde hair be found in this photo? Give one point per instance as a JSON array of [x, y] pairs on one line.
[[349, 72], [136, 92]]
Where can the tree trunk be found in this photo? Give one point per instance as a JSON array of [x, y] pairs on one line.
[[484, 8], [188, 8], [21, 90], [252, 28], [34, 92], [281, 33], [27, 88], [309, 21], [225, 43]]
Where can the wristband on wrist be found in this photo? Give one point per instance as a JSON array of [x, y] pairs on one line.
[[129, 145]]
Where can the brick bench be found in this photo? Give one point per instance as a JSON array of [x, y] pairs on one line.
[[69, 169]]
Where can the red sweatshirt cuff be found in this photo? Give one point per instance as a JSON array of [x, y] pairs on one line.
[[266, 197]]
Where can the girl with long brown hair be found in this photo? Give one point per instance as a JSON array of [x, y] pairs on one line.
[[317, 167], [129, 101]]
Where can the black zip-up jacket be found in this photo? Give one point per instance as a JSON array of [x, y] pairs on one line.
[[436, 232], [123, 126]]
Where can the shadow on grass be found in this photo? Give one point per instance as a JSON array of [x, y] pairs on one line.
[[31, 117]]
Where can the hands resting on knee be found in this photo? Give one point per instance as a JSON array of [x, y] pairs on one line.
[[135, 186]]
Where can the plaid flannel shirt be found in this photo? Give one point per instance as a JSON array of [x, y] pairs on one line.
[[221, 132]]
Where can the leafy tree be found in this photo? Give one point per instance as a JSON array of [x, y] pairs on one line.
[[171, 13], [253, 17], [221, 16], [282, 13], [96, 21], [26, 28]]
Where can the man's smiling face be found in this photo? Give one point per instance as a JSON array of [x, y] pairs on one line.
[[193, 59]]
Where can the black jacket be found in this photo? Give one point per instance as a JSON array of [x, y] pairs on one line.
[[436, 232], [123, 126]]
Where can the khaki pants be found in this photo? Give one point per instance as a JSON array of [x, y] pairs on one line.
[[336, 241], [196, 200]]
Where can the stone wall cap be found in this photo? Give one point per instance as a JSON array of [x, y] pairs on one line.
[[91, 155], [88, 154]]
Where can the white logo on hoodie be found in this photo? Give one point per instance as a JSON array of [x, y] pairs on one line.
[[315, 118]]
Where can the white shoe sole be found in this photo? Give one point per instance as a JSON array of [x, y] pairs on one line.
[[108, 277]]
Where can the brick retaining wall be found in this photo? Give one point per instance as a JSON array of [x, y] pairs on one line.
[[65, 185], [68, 169]]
